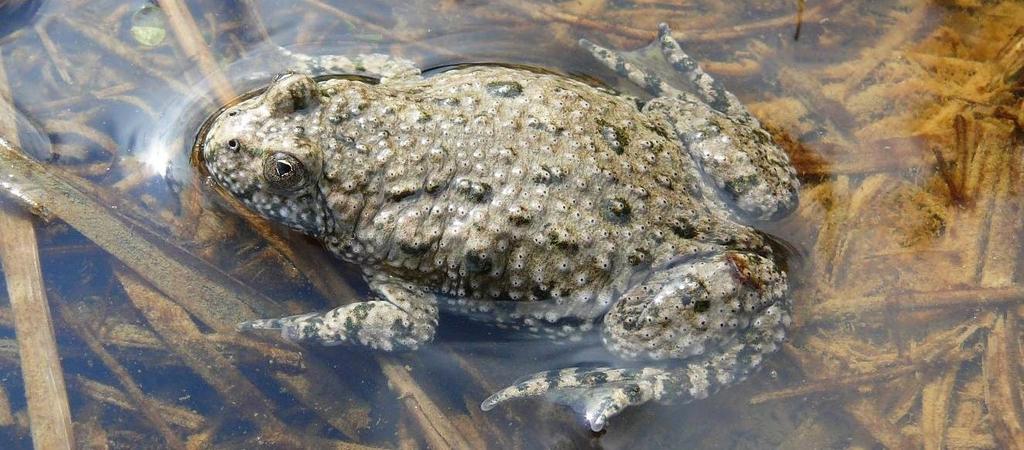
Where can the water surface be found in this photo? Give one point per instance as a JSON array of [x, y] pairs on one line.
[[903, 119]]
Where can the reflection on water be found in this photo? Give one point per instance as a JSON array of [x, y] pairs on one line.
[[903, 119]]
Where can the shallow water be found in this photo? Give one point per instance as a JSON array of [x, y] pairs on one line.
[[903, 119]]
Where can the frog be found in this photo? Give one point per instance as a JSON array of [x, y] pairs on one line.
[[533, 201]]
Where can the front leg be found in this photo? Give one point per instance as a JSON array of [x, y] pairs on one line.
[[709, 320], [403, 317]]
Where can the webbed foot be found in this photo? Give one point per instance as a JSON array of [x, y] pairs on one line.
[[597, 393]]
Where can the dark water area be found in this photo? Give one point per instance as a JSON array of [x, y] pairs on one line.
[[903, 120]]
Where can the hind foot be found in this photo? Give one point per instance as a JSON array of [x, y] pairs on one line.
[[596, 393]]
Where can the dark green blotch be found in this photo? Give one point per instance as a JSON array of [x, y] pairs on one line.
[[520, 217], [397, 327], [434, 185], [617, 137], [361, 311], [727, 240], [310, 329], [633, 393], [638, 256], [540, 293], [594, 378], [684, 228], [505, 89], [414, 248], [401, 193], [660, 132], [762, 137], [562, 240], [552, 377], [547, 175], [448, 101], [701, 305], [617, 210], [568, 246], [631, 324], [477, 262], [475, 190], [739, 185]]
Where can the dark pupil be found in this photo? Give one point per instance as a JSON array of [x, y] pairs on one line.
[[283, 169], [233, 144]]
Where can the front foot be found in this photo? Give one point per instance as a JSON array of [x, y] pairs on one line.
[[597, 393]]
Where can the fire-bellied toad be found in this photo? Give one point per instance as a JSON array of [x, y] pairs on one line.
[[535, 201]]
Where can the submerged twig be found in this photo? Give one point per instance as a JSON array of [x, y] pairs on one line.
[[800, 6], [178, 331], [1002, 387], [48, 410], [144, 404], [922, 300], [6, 413], [187, 33], [936, 401], [833, 385], [941, 349], [124, 52], [866, 412], [438, 430], [908, 24], [176, 415], [51, 50], [41, 370], [203, 289], [130, 242], [411, 40]]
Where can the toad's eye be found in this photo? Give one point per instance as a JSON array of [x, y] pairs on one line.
[[232, 113], [284, 172], [233, 145]]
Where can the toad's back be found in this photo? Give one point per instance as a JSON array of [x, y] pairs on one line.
[[490, 182]]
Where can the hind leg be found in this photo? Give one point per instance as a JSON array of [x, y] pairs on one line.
[[716, 316], [640, 69], [708, 89], [737, 156]]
